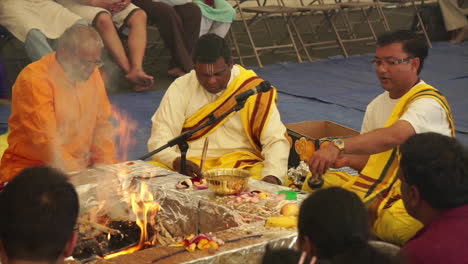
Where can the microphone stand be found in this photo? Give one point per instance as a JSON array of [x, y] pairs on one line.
[[181, 140]]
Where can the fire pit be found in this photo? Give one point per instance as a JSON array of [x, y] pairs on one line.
[[109, 223]]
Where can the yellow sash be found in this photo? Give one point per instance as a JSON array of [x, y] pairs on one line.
[[375, 182], [254, 116]]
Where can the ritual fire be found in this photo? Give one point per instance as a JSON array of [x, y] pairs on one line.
[[145, 209]]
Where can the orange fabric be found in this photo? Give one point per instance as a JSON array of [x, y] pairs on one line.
[[57, 122]]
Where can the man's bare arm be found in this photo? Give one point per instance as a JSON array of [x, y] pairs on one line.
[[356, 162], [373, 142]]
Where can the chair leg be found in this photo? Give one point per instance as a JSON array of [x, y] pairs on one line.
[[291, 36], [366, 17], [270, 33], [337, 34], [383, 18], [347, 23], [236, 45], [252, 43], [300, 39], [421, 24]]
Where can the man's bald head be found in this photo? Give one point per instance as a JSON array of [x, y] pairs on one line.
[[80, 36], [79, 52]]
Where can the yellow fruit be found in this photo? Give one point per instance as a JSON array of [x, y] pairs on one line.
[[263, 195], [282, 221], [290, 209]]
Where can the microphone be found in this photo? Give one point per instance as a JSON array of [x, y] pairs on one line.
[[264, 86]]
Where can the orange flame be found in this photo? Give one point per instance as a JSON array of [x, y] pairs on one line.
[[124, 133], [145, 209]]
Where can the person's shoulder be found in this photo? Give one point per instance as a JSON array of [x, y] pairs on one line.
[[34, 77], [35, 70], [184, 84]]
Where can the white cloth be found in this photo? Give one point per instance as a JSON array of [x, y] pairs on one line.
[[174, 2], [90, 12], [454, 16], [425, 115], [20, 16], [210, 26], [184, 97]]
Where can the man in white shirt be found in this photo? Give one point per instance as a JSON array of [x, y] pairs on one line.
[[407, 107], [253, 138]]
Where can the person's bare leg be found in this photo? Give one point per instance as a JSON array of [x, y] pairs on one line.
[[461, 35], [136, 46], [104, 25]]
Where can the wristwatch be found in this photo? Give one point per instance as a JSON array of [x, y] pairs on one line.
[[339, 143]]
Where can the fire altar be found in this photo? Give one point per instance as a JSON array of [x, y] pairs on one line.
[[132, 213]]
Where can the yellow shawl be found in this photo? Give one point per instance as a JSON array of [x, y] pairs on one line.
[[377, 183]]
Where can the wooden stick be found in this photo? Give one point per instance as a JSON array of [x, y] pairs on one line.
[[203, 157], [100, 227]]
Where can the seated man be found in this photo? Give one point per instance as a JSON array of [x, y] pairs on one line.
[[60, 110], [105, 16], [36, 23], [39, 212], [253, 138], [407, 107], [455, 20], [434, 189]]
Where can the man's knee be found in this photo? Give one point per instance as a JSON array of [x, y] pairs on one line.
[[395, 225], [103, 21], [37, 45], [190, 12], [35, 35], [137, 17]]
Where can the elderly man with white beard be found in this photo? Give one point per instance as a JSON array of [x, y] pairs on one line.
[[60, 110]]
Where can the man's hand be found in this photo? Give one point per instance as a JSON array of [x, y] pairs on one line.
[[340, 162], [119, 6], [106, 4], [323, 159], [193, 170], [272, 179]]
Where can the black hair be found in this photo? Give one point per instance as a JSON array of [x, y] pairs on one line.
[[39, 211], [413, 44], [336, 223], [438, 166], [209, 48]]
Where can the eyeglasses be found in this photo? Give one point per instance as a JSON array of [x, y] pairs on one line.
[[389, 61]]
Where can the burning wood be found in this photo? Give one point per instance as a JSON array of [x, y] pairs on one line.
[[99, 227], [145, 209]]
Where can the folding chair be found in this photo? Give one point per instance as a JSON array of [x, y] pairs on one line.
[[365, 8], [262, 12], [330, 12], [414, 5]]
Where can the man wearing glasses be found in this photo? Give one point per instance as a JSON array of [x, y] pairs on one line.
[[60, 110], [408, 106]]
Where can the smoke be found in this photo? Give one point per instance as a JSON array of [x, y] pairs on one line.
[[124, 133]]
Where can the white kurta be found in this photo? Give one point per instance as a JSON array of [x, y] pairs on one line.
[[20, 16], [425, 115], [185, 97]]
